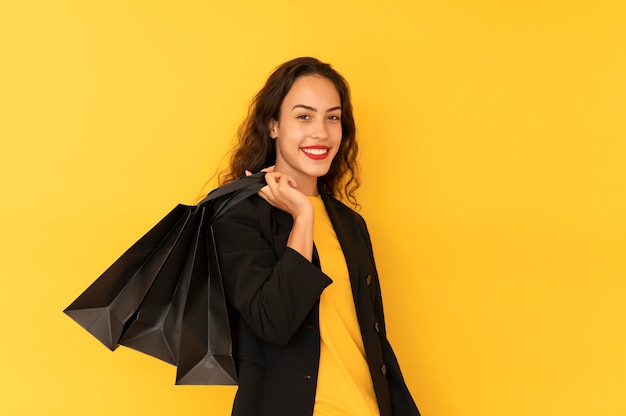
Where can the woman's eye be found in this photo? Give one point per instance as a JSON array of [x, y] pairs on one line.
[[303, 116], [333, 117]]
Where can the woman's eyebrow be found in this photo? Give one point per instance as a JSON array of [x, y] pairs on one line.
[[308, 107]]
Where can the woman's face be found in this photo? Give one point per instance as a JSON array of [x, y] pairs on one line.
[[308, 132]]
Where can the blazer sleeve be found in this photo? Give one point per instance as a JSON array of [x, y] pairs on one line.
[[272, 286], [402, 402]]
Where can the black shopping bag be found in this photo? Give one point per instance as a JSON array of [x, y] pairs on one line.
[[156, 328], [107, 306], [151, 299], [206, 355]]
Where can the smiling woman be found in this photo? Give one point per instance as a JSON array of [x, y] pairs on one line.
[[256, 147], [298, 264], [307, 139]]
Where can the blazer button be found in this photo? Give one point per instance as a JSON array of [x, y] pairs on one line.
[[368, 279], [383, 369], [377, 327]]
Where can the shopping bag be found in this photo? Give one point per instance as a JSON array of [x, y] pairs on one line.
[[109, 303], [156, 328], [152, 297], [206, 348]]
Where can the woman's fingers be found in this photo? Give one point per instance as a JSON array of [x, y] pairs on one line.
[[281, 191], [279, 178], [263, 192]]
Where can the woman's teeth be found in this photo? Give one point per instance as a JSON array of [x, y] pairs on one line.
[[315, 151]]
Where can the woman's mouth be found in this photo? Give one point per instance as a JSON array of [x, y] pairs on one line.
[[316, 152]]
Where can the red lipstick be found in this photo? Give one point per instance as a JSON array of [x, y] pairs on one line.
[[316, 152]]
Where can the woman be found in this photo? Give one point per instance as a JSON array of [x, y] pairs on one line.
[[297, 263]]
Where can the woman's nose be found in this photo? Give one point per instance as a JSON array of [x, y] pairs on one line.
[[320, 129]]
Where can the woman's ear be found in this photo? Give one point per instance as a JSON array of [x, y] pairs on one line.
[[273, 128]]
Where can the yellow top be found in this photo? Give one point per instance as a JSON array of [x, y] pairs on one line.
[[344, 385]]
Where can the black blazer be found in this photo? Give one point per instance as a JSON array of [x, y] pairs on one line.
[[275, 293]]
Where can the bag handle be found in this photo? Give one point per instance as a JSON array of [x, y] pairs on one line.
[[239, 189]]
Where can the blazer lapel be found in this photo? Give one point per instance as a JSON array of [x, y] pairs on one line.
[[346, 229]]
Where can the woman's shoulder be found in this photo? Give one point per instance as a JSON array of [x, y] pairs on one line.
[[345, 210], [341, 206], [251, 208]]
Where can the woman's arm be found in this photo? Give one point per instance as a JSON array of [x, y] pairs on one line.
[[281, 192], [272, 285]]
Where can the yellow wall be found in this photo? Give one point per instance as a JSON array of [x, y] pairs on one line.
[[493, 138]]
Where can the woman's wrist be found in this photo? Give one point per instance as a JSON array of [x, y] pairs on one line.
[[301, 236]]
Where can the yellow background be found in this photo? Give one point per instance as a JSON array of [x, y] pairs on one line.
[[493, 147]]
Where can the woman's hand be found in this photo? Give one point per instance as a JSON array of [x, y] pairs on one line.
[[282, 192]]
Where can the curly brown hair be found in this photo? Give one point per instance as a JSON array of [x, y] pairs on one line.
[[255, 150]]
